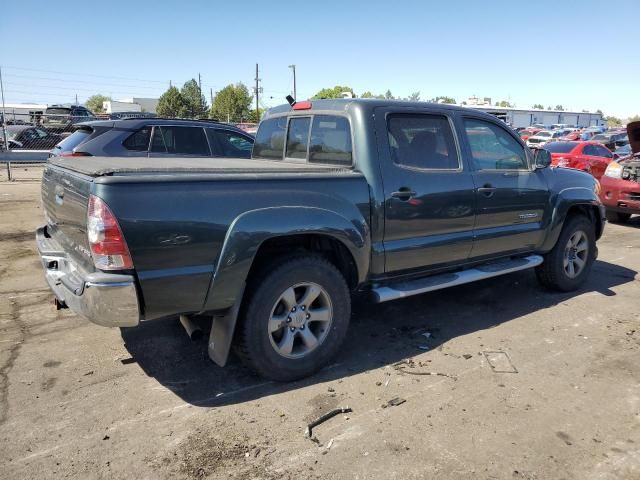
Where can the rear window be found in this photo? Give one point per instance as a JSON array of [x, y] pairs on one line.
[[328, 140], [560, 147], [75, 139], [139, 141], [269, 142]]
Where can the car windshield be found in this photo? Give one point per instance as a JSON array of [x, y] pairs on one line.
[[600, 137], [560, 147], [544, 134], [57, 111]]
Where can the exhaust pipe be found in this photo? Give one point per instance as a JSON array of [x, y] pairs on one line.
[[193, 330]]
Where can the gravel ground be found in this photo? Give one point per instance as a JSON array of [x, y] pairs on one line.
[[531, 384]]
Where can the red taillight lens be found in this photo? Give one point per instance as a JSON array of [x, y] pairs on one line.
[[302, 105], [108, 247]]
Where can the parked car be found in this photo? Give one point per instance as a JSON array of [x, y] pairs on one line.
[[590, 157], [30, 138], [542, 137], [124, 115], [156, 137], [620, 185], [611, 140], [527, 133], [59, 117], [623, 151], [387, 198]]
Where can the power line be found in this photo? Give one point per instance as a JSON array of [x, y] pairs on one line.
[[77, 74]]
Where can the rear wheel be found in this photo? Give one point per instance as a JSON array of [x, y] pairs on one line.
[[296, 317], [617, 217], [567, 266]]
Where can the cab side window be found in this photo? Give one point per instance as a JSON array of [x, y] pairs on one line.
[[493, 148]]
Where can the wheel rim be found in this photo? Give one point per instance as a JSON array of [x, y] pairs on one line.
[[575, 254], [300, 320]]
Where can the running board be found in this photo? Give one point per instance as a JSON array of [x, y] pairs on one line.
[[445, 280]]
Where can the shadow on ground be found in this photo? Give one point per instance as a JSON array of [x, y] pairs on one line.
[[379, 334]]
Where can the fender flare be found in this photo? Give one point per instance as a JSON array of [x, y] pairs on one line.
[[242, 242], [562, 203]]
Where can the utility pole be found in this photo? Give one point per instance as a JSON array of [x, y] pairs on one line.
[[293, 67], [200, 91], [76, 99], [258, 91], [211, 95], [4, 114]]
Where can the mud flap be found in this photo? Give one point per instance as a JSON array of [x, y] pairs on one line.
[[221, 336]]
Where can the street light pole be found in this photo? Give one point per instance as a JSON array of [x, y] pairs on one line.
[[293, 67]]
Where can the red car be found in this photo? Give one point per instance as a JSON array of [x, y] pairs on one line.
[[620, 185], [590, 157], [528, 132]]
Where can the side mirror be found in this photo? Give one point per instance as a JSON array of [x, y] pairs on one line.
[[541, 158]]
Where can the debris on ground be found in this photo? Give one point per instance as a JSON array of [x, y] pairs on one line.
[[394, 402], [467, 356], [323, 418], [405, 366], [500, 362]]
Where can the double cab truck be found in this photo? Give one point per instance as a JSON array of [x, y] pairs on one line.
[[385, 198]]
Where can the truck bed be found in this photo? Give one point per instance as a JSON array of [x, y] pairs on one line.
[[101, 166]]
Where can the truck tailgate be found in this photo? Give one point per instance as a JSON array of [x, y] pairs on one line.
[[65, 197]]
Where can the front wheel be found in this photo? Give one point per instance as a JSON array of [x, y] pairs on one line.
[[295, 319], [567, 266]]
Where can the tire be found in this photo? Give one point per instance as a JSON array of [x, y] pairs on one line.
[[617, 217], [274, 340], [555, 273]]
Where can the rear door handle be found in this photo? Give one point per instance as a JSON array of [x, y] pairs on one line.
[[404, 194], [487, 190]]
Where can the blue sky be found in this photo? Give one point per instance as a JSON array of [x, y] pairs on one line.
[[578, 54]]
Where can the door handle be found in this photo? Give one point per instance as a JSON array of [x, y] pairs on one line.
[[487, 190], [404, 194]]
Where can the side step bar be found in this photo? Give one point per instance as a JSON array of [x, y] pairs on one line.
[[444, 280]]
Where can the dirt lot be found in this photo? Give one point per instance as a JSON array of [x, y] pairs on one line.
[[563, 401]]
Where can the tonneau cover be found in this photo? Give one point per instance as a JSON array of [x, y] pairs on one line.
[[99, 166]]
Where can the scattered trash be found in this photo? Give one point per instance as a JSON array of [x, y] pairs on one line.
[[90, 372], [324, 418], [106, 437], [386, 384], [500, 362], [394, 402], [404, 366], [331, 389], [467, 356], [329, 444], [378, 383]]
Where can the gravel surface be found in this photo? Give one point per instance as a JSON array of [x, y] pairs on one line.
[[509, 382]]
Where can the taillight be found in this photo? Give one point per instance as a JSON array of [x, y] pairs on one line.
[[108, 247], [302, 105], [563, 162]]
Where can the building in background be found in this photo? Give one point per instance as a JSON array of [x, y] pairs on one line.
[[135, 104], [23, 112], [519, 117]]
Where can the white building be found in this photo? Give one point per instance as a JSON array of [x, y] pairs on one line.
[[135, 104], [26, 112], [519, 117]]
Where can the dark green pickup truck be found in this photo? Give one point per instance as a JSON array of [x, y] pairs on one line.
[[390, 198]]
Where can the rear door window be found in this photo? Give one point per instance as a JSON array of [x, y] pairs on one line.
[[139, 141], [180, 141], [230, 144], [298, 137], [330, 140]]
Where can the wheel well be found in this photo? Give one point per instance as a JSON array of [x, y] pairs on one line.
[[332, 249], [589, 211]]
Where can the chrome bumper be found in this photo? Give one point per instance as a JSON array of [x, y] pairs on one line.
[[107, 299]]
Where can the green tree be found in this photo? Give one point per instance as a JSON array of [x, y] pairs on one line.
[[368, 94], [335, 92], [94, 103], [252, 117], [232, 103], [559, 107], [613, 121], [635, 118], [549, 108], [504, 103], [171, 103], [444, 99], [414, 97], [599, 111], [538, 105], [195, 104], [388, 95]]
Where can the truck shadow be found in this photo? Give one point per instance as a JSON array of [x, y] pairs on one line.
[[380, 334]]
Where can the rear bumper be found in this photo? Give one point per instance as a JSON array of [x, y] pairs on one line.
[[107, 299]]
